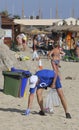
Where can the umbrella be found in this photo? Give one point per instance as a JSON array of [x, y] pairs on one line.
[[60, 28], [35, 31], [74, 28], [53, 28]]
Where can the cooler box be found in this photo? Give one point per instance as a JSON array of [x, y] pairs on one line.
[[12, 83]]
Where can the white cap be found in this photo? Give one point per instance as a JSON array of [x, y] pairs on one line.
[[33, 80]]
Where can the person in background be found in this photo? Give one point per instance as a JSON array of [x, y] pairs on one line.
[[55, 56], [21, 40], [35, 44], [41, 80], [77, 49], [24, 41], [50, 47]]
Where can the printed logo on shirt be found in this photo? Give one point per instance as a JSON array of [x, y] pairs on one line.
[[43, 84]]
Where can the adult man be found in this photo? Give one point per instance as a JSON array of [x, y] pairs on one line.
[[40, 81]]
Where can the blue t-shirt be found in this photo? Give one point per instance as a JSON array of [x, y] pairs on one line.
[[46, 78]]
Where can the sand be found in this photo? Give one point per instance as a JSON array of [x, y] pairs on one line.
[[11, 108]]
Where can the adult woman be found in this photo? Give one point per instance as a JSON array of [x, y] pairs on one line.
[[55, 56]]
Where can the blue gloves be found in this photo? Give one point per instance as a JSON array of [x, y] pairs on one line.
[[27, 112]]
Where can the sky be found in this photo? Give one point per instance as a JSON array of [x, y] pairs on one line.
[[46, 7]]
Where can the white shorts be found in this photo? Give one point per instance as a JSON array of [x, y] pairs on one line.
[[35, 55]]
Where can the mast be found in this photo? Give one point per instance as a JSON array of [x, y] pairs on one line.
[[56, 9], [50, 13], [40, 11], [73, 11], [22, 8]]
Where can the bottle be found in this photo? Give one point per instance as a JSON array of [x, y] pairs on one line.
[[40, 64]]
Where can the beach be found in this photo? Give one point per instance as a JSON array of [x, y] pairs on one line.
[[11, 108]]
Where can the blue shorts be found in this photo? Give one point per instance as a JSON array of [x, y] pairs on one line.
[[32, 90], [58, 85]]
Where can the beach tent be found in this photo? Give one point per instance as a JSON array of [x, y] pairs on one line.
[[71, 21]]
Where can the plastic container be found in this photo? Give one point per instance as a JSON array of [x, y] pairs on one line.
[[55, 97], [24, 79], [12, 83], [52, 99]]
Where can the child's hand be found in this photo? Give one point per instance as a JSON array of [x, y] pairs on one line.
[[53, 85]]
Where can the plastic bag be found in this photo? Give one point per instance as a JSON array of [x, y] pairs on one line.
[[52, 100], [55, 97]]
